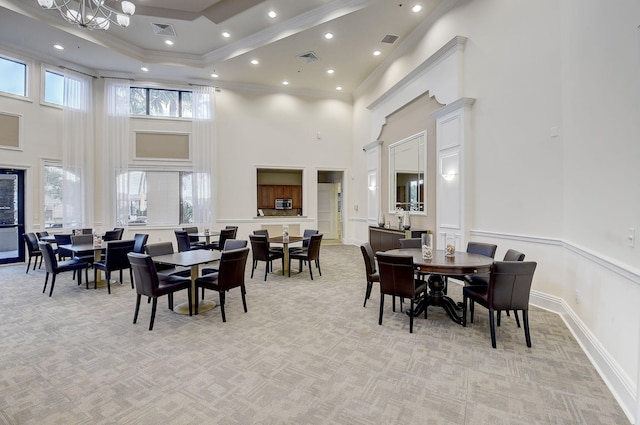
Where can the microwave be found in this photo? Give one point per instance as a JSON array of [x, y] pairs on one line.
[[284, 204]]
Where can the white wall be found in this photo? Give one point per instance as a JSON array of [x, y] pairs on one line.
[[566, 201]]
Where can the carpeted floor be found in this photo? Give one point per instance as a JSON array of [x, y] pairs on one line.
[[306, 352]]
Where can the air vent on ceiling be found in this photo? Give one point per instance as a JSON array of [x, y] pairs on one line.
[[163, 29], [389, 38], [308, 57]]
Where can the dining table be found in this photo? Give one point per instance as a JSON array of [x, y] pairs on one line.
[[460, 264], [193, 258], [206, 236], [97, 249], [285, 241]]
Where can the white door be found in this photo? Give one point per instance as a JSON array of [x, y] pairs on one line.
[[328, 210]]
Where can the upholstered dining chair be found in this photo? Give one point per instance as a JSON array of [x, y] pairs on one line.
[[166, 270], [42, 234], [224, 235], [260, 251], [235, 231], [148, 284], [230, 275], [55, 267], [115, 259], [63, 239], [312, 253], [410, 242], [113, 235], [508, 289], [31, 241], [194, 241], [82, 239], [140, 240], [370, 269], [229, 245], [265, 232], [397, 278], [182, 238], [480, 248]]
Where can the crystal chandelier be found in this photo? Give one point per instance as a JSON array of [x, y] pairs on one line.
[[91, 14]]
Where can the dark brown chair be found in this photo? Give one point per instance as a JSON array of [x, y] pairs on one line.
[[480, 248], [397, 278], [86, 231], [63, 239], [33, 249], [86, 256], [410, 243], [115, 259], [229, 245], [265, 232], [140, 240], [509, 288], [235, 231], [166, 270], [312, 253], [42, 234], [148, 284], [260, 251], [112, 235], [229, 275], [55, 267], [370, 269], [194, 241], [224, 235]]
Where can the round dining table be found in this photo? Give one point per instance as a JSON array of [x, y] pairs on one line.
[[462, 263]]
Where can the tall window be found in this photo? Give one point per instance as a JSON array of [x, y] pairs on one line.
[[53, 87], [161, 102], [158, 198], [13, 77]]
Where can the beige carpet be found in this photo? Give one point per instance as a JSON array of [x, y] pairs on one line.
[[306, 352]]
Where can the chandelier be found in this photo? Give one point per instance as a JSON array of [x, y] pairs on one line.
[[91, 14]]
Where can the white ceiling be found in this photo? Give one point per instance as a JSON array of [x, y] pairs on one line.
[[199, 50]]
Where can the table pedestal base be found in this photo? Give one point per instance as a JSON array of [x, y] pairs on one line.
[[437, 297], [203, 305]]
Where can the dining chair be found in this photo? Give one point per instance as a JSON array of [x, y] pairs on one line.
[[31, 241], [148, 283], [182, 238], [235, 231], [115, 259], [480, 248], [87, 256], [312, 253], [397, 278], [410, 242], [230, 275], [86, 231], [112, 235], [166, 270], [370, 269], [194, 241], [305, 242], [224, 235], [55, 267], [63, 239], [508, 289], [42, 234], [260, 251], [265, 232], [140, 240], [229, 245]]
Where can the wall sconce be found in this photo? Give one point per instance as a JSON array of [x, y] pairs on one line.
[[449, 176]]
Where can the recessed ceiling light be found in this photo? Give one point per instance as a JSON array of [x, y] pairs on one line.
[[328, 36], [168, 42], [254, 61], [416, 8], [58, 46], [144, 69], [214, 75], [272, 14], [285, 83], [226, 34], [338, 88], [377, 53], [330, 71]]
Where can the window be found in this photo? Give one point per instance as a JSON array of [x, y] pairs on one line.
[[53, 87], [13, 77], [52, 196], [161, 102], [158, 198]]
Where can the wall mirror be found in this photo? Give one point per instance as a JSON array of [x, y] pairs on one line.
[[407, 170]]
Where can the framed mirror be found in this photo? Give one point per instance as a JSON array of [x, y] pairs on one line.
[[407, 171]]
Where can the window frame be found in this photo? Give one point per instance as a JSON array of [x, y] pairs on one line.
[[27, 76], [43, 79], [147, 114]]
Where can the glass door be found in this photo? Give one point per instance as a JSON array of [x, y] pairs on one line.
[[11, 216]]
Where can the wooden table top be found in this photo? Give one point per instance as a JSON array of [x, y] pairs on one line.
[[461, 264], [278, 239]]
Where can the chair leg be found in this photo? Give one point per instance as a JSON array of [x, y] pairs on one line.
[[471, 309], [108, 276], [515, 314], [196, 301], [53, 282], [525, 321], [255, 264], [46, 278], [135, 315], [310, 270], [411, 318], [29, 264], [170, 300], [121, 280], [244, 298], [300, 266], [381, 307], [393, 297], [131, 276], [189, 299], [367, 294], [224, 318], [464, 311], [492, 326], [318, 267], [499, 314], [153, 312], [266, 270]]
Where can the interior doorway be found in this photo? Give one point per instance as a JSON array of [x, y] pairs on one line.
[[11, 216], [330, 205]]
